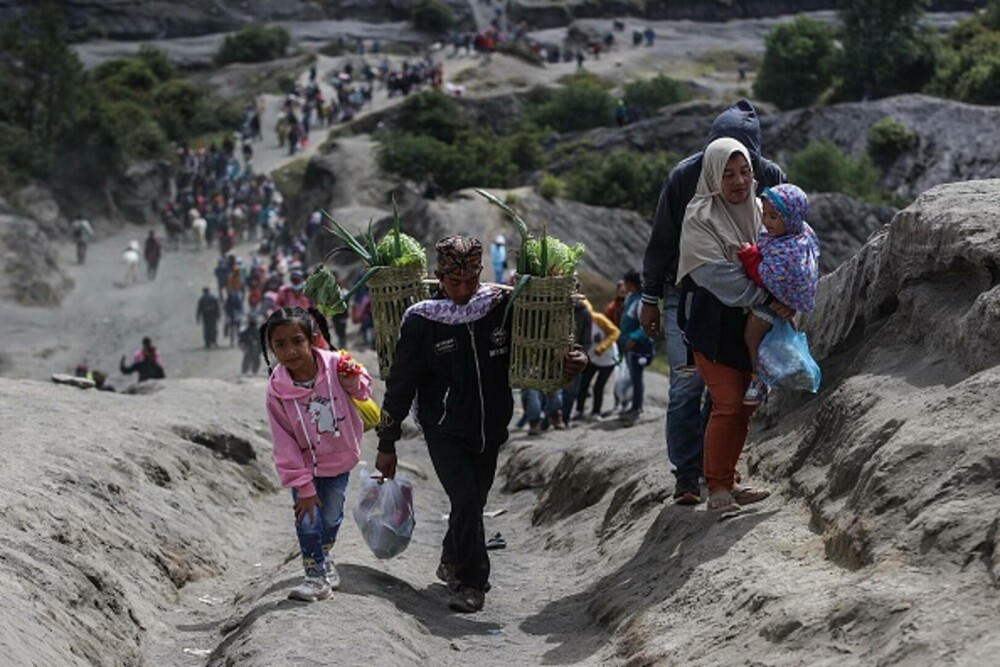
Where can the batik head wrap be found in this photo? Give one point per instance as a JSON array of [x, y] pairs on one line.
[[791, 204], [459, 255]]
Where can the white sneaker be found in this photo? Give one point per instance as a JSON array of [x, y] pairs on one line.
[[312, 589], [332, 576]]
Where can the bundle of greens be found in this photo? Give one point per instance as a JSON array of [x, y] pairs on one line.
[[395, 249], [540, 257]]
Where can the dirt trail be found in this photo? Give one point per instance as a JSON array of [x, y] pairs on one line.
[[555, 578]]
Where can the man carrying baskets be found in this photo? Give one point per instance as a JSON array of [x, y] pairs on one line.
[[453, 354]]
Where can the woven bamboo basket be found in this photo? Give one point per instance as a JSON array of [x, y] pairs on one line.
[[542, 333], [393, 289]]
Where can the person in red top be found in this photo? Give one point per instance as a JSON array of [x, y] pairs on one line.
[[613, 311], [294, 294]]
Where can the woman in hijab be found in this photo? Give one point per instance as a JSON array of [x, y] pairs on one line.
[[721, 218]]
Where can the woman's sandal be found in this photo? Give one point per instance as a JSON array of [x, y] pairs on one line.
[[748, 495], [722, 502]]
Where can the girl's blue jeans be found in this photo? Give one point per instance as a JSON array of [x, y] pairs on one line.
[[318, 530]]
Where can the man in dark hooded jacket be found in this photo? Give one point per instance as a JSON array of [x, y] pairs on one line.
[[684, 429]]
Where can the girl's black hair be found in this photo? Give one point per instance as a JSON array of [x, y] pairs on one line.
[[308, 320]]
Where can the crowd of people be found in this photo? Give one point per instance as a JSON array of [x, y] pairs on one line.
[[730, 255]]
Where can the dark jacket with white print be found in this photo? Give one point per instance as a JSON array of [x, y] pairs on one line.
[[459, 375]]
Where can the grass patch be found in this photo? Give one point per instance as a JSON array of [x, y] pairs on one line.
[[726, 59], [586, 78]]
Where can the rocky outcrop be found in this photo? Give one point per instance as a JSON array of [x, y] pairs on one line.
[[843, 225], [31, 274], [949, 135], [140, 192], [896, 458], [127, 519], [142, 20], [548, 14], [949, 138], [615, 238]]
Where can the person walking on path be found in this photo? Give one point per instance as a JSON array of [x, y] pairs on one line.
[[316, 431], [453, 356], [639, 347], [146, 362], [83, 234], [603, 354], [498, 258], [721, 219], [234, 315], [684, 430], [131, 260], [208, 313], [152, 253], [250, 346]]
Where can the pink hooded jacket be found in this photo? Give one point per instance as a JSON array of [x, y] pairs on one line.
[[316, 431]]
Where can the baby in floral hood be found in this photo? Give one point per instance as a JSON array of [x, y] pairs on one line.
[[785, 262]]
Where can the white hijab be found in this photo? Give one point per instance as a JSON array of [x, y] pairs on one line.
[[713, 229]]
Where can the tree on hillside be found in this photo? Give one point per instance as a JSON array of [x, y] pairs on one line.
[[51, 77], [432, 16], [798, 65], [887, 50]]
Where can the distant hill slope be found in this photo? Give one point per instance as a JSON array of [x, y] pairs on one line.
[[143, 19]]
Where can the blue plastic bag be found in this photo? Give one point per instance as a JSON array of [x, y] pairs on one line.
[[784, 361]]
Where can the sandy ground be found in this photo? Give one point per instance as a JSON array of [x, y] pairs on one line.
[[652, 572]]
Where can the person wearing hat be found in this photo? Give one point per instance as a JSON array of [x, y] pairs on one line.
[[498, 257], [453, 355]]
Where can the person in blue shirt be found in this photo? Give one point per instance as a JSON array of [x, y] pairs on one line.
[[638, 346], [498, 258]]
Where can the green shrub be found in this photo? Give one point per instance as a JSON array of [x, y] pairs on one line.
[[621, 180], [525, 148], [133, 74], [575, 108], [887, 48], [145, 141], [156, 61], [888, 139], [432, 114], [253, 44], [512, 199], [431, 16], [550, 187], [584, 77], [822, 167], [17, 151], [479, 159], [968, 66], [177, 104], [799, 62], [651, 94], [408, 156]]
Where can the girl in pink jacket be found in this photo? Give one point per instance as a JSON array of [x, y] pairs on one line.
[[316, 432]]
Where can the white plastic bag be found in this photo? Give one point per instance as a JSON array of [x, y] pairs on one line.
[[384, 514], [623, 384]]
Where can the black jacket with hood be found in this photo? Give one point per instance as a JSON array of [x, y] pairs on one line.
[[659, 264], [459, 375]]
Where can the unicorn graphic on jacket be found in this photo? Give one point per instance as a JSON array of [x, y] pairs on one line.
[[316, 430]]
